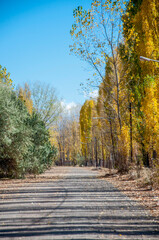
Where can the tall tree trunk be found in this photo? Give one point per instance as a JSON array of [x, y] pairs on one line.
[[96, 153], [118, 89], [131, 136], [112, 138]]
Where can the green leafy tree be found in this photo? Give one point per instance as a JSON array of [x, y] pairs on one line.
[[41, 153], [14, 133], [24, 139]]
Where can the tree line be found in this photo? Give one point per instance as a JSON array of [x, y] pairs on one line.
[[121, 127]]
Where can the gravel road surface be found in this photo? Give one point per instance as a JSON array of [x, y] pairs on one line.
[[77, 206]]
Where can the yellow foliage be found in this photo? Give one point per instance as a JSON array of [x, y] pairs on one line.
[[150, 108], [141, 31], [25, 96], [124, 136], [124, 148], [5, 77], [147, 26], [86, 115], [53, 136]]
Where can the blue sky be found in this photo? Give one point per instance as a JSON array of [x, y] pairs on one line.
[[35, 43]]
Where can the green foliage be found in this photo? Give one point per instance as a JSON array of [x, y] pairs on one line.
[[24, 138], [41, 153], [14, 132], [80, 161]]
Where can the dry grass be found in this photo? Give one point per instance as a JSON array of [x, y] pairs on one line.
[[138, 189]]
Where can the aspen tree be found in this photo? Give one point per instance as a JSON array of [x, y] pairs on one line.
[[141, 27]]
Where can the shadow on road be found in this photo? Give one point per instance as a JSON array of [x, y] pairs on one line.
[[73, 208]]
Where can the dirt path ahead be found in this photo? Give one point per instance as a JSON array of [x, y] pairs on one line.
[[79, 206]]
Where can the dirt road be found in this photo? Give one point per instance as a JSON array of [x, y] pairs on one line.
[[77, 206]]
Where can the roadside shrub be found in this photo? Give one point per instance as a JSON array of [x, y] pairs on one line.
[[80, 160], [14, 132], [41, 153]]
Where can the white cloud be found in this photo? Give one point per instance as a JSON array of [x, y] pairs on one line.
[[71, 105], [71, 109], [68, 106], [93, 94]]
